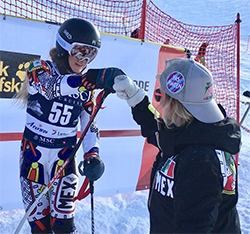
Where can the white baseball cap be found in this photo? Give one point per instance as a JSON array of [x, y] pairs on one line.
[[191, 84]]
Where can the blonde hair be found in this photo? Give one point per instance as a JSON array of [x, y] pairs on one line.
[[21, 98], [173, 112]]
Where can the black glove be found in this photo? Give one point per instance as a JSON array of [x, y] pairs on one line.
[[101, 78], [93, 166]]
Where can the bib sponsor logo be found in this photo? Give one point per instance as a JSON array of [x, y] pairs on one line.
[[39, 129], [45, 140]]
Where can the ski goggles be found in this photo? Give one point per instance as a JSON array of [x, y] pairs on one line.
[[78, 50], [83, 52]]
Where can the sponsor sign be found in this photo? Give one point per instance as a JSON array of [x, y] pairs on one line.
[[12, 71]]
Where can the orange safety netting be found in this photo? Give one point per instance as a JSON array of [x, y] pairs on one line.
[[218, 56], [123, 17]]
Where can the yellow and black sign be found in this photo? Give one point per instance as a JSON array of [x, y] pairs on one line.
[[12, 71]]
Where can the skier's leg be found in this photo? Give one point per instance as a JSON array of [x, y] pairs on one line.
[[32, 184], [63, 191]]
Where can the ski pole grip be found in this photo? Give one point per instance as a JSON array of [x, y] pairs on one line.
[[247, 93]]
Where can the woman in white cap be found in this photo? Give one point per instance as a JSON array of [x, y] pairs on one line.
[[194, 176]]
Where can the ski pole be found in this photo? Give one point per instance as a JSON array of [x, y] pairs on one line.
[[246, 94], [245, 114], [92, 206], [99, 101]]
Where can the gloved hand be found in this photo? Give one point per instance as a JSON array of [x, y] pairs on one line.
[[93, 166], [127, 89], [101, 78]]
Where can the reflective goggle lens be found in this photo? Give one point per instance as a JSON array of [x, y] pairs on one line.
[[83, 52]]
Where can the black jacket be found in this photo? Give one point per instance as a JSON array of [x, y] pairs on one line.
[[194, 177]]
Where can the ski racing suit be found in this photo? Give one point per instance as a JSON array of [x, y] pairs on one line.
[[194, 177], [54, 109]]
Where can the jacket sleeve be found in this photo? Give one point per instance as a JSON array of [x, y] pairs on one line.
[[197, 191], [46, 81], [146, 119]]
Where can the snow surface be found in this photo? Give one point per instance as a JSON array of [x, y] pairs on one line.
[[127, 213]]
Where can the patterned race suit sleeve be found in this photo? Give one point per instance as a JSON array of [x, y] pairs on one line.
[[44, 78]]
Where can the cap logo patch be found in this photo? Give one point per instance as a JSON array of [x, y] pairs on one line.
[[175, 82], [208, 91]]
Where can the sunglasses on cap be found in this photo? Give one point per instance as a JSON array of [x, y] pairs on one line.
[[83, 52], [158, 95]]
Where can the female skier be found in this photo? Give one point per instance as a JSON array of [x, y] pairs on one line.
[[56, 98], [194, 176]]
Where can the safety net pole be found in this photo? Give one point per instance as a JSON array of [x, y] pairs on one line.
[[238, 21], [143, 20]]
